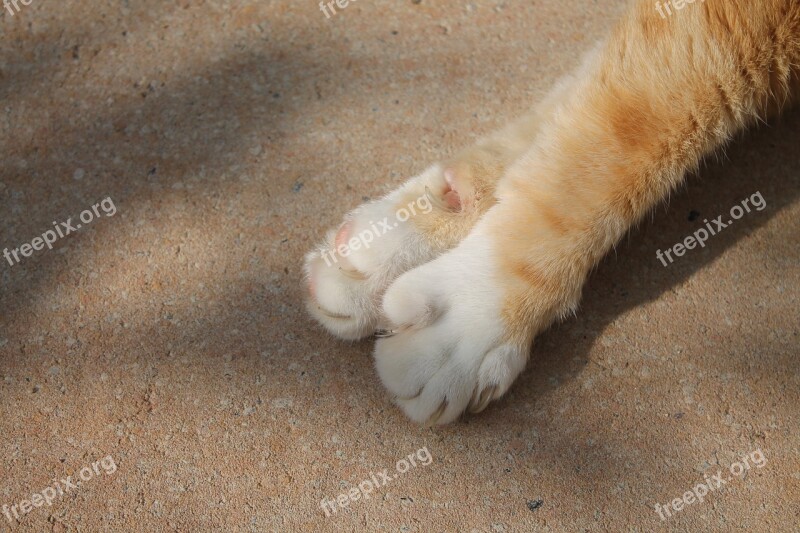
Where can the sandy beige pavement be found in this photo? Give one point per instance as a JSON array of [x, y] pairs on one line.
[[172, 336]]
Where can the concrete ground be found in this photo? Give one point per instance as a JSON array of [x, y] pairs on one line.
[[162, 358]]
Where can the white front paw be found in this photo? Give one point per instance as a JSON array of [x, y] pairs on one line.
[[349, 272], [446, 351]]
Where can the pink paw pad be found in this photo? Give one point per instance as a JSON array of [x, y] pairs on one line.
[[343, 235], [342, 239], [452, 197]]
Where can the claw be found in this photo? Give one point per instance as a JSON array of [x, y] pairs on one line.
[[353, 274], [435, 416], [383, 333], [480, 402], [407, 398], [332, 315]]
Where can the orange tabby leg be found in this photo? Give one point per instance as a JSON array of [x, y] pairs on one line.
[[663, 94]]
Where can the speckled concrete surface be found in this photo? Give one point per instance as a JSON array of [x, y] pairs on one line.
[[172, 336]]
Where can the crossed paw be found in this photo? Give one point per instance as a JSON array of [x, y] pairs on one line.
[[400, 268]]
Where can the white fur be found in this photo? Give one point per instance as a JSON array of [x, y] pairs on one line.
[[448, 335], [446, 344], [350, 308]]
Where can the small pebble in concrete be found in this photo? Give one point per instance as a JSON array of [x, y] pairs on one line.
[[535, 504]]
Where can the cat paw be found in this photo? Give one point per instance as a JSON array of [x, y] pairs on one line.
[[448, 349], [348, 273]]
